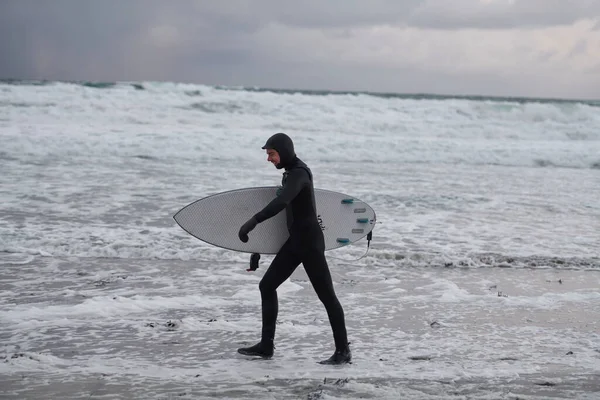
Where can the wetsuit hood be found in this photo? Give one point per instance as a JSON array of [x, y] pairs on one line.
[[283, 144]]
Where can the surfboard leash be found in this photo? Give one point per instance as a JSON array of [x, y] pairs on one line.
[[369, 237]]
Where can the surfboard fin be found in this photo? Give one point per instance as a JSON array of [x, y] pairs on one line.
[[254, 259]]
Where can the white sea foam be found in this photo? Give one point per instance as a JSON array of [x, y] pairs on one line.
[[91, 172]]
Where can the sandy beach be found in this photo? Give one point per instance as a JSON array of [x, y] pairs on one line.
[[111, 329]]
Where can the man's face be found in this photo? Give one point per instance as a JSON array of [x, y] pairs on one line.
[[273, 156]]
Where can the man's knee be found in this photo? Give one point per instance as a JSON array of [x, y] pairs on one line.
[[265, 286], [326, 294], [330, 299]]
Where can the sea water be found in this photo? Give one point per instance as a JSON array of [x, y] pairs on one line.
[[482, 279]]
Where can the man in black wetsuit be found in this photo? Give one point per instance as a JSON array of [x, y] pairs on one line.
[[305, 245]]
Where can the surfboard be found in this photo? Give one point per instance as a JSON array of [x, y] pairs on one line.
[[217, 218]]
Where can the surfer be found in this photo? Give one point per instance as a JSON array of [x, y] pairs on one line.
[[305, 245]]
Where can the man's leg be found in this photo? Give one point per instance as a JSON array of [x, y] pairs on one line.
[[282, 267], [317, 270]]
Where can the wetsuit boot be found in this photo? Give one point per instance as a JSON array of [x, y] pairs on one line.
[[340, 356], [262, 349]]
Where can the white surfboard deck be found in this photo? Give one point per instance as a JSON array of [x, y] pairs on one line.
[[216, 219]]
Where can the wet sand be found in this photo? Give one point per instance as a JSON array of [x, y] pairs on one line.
[[112, 329]]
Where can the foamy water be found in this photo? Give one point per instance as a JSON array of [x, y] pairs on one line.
[[483, 267]]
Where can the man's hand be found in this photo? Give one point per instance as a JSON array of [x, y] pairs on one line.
[[246, 228], [254, 259]]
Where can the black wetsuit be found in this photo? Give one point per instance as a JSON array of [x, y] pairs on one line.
[[305, 245]]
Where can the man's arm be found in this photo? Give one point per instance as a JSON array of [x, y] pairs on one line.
[[296, 179]]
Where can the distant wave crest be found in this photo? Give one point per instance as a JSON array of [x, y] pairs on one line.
[[307, 92]]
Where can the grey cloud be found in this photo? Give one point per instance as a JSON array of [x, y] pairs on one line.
[[250, 15], [411, 80], [460, 14], [74, 34], [340, 13], [74, 39], [581, 47], [225, 42], [546, 56], [435, 14]]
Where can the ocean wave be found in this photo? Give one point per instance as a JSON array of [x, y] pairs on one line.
[[19, 104], [483, 260], [193, 93], [27, 82], [414, 96], [100, 173], [373, 258], [505, 103], [550, 164], [7, 156], [212, 107], [98, 85], [146, 157], [7, 258]]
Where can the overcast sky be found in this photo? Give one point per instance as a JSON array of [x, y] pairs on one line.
[[546, 48]]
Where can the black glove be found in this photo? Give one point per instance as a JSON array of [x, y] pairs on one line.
[[246, 228], [254, 259]]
